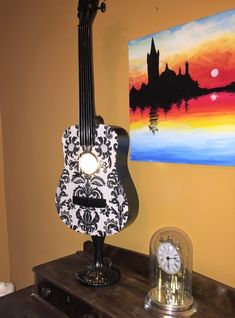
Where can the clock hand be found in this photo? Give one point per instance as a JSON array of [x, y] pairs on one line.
[[168, 262]]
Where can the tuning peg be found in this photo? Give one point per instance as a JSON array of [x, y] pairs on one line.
[[102, 7]]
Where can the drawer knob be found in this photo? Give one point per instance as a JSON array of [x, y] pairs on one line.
[[46, 292]]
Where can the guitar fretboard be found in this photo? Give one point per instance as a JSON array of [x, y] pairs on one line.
[[86, 85]]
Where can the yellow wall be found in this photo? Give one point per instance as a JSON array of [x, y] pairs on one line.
[[4, 253], [38, 83]]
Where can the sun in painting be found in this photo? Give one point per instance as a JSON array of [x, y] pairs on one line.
[[214, 72]]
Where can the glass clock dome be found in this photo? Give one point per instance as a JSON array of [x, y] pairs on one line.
[[170, 260]]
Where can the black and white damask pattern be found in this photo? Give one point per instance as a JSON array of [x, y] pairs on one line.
[[104, 184]]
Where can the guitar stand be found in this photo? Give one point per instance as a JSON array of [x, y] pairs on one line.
[[100, 273]]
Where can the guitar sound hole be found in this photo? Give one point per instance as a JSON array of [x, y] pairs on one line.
[[89, 202]]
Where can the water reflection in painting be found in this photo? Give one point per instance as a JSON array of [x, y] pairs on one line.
[[199, 131], [182, 94]]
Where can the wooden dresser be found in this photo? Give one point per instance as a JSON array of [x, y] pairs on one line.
[[57, 293]]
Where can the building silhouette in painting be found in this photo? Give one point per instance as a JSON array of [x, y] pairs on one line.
[[164, 88]]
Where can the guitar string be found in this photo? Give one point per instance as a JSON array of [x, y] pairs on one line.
[[91, 88], [83, 123], [80, 81], [81, 84], [84, 87], [93, 93], [88, 86], [83, 105]]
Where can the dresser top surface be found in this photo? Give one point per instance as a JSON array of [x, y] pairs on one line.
[[126, 298]]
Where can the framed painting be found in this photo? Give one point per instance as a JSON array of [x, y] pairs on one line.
[[182, 93]]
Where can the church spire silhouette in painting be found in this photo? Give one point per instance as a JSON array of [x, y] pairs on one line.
[[153, 64], [166, 88]]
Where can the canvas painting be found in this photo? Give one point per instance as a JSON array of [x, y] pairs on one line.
[[182, 93]]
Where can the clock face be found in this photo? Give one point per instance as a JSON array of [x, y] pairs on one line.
[[169, 258]]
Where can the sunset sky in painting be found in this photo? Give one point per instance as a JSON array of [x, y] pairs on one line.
[[207, 44]]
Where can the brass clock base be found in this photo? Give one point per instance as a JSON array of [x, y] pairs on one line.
[[160, 307]]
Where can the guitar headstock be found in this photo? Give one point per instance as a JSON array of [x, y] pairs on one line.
[[87, 10]]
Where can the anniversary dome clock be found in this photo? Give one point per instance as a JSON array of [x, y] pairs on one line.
[[170, 274]]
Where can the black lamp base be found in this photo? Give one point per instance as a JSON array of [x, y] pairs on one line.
[[98, 276], [98, 273]]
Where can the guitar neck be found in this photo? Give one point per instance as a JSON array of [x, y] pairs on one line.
[[86, 85]]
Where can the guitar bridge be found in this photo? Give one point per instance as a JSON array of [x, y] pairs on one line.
[[89, 202]]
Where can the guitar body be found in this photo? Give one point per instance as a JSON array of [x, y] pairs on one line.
[[104, 202]]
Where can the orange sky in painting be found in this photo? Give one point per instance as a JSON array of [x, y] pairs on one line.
[[218, 53], [213, 54]]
